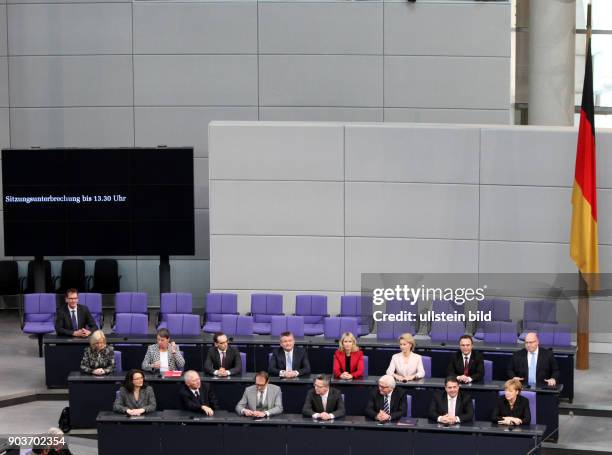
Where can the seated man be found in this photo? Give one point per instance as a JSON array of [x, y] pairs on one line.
[[288, 361], [534, 365], [72, 319], [386, 403], [262, 399], [323, 402], [467, 365], [222, 360], [197, 396], [452, 406]]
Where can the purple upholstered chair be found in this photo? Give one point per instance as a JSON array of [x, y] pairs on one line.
[[563, 335], [385, 330], [280, 324], [263, 307], [218, 304], [131, 324], [334, 327], [427, 365], [488, 371], [366, 365], [500, 311], [131, 302], [118, 365], [537, 311], [93, 301], [499, 332], [232, 325], [314, 309], [531, 396], [408, 405], [39, 316], [173, 303], [360, 308], [399, 327], [551, 334], [243, 361], [443, 331], [183, 324]]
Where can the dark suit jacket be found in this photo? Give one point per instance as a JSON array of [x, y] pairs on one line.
[[232, 361], [63, 323], [190, 403], [278, 362], [314, 404], [356, 364], [475, 366], [376, 403], [463, 406], [546, 367], [520, 410]]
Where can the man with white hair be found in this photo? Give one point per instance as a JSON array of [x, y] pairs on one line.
[[386, 403], [197, 396]]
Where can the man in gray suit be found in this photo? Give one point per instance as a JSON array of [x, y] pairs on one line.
[[262, 399]]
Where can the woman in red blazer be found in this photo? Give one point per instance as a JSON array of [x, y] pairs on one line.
[[348, 360]]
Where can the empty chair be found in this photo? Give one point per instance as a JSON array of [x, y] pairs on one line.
[[334, 327], [531, 396], [243, 362], [536, 311], [183, 324], [313, 308], [499, 309], [442, 331], [106, 278], [118, 365], [360, 308], [49, 280], [39, 316], [263, 307], [131, 302], [9, 278], [131, 324], [553, 334], [218, 304], [232, 324], [280, 324], [499, 332], [488, 371], [93, 301], [563, 335], [173, 303], [72, 275], [426, 365]]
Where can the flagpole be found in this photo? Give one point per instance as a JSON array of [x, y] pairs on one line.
[[582, 326]]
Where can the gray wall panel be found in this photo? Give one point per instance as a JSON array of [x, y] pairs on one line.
[[3, 30], [408, 29], [202, 234], [192, 275], [200, 175], [4, 85], [323, 80], [183, 126], [276, 151], [277, 208], [308, 263], [411, 210], [61, 29], [191, 80], [69, 81], [525, 257], [431, 82], [195, 28], [72, 127], [341, 28], [444, 154], [321, 114], [5, 139], [471, 116]]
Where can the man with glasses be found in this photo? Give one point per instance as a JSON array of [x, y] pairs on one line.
[[323, 402], [534, 365], [222, 360], [262, 399], [72, 319], [386, 403], [467, 365]]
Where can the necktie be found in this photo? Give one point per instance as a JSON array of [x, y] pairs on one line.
[[260, 404], [465, 366], [222, 359], [532, 369], [451, 407], [289, 362], [197, 394], [75, 324], [324, 401], [387, 406]]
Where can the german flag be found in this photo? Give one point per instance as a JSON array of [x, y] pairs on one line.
[[584, 243]]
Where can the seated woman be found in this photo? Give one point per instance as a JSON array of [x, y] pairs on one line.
[[135, 397], [406, 365], [348, 360], [98, 358], [512, 408], [164, 355]]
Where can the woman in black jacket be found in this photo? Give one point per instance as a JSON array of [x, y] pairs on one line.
[[512, 408]]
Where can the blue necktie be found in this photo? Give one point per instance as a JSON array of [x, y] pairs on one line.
[[75, 324], [289, 361], [387, 407], [532, 370]]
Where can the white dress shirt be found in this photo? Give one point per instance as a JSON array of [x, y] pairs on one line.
[[163, 361], [316, 415]]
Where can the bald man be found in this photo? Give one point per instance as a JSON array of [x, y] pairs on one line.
[[534, 365]]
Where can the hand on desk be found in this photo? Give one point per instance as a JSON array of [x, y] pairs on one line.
[[98, 371], [81, 333], [447, 419], [135, 412], [346, 376], [550, 382], [208, 411], [464, 379], [382, 416], [510, 421]]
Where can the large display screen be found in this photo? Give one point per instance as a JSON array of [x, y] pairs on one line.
[[93, 202]]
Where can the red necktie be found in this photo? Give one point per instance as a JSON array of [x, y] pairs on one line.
[[222, 359], [465, 366]]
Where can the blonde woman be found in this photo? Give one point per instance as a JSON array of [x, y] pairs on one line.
[[348, 359], [512, 408], [98, 358], [406, 365]]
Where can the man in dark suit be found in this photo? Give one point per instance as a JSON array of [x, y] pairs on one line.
[[323, 402], [288, 361], [222, 359], [386, 403], [452, 406], [197, 396], [533, 365], [467, 365], [72, 319]]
